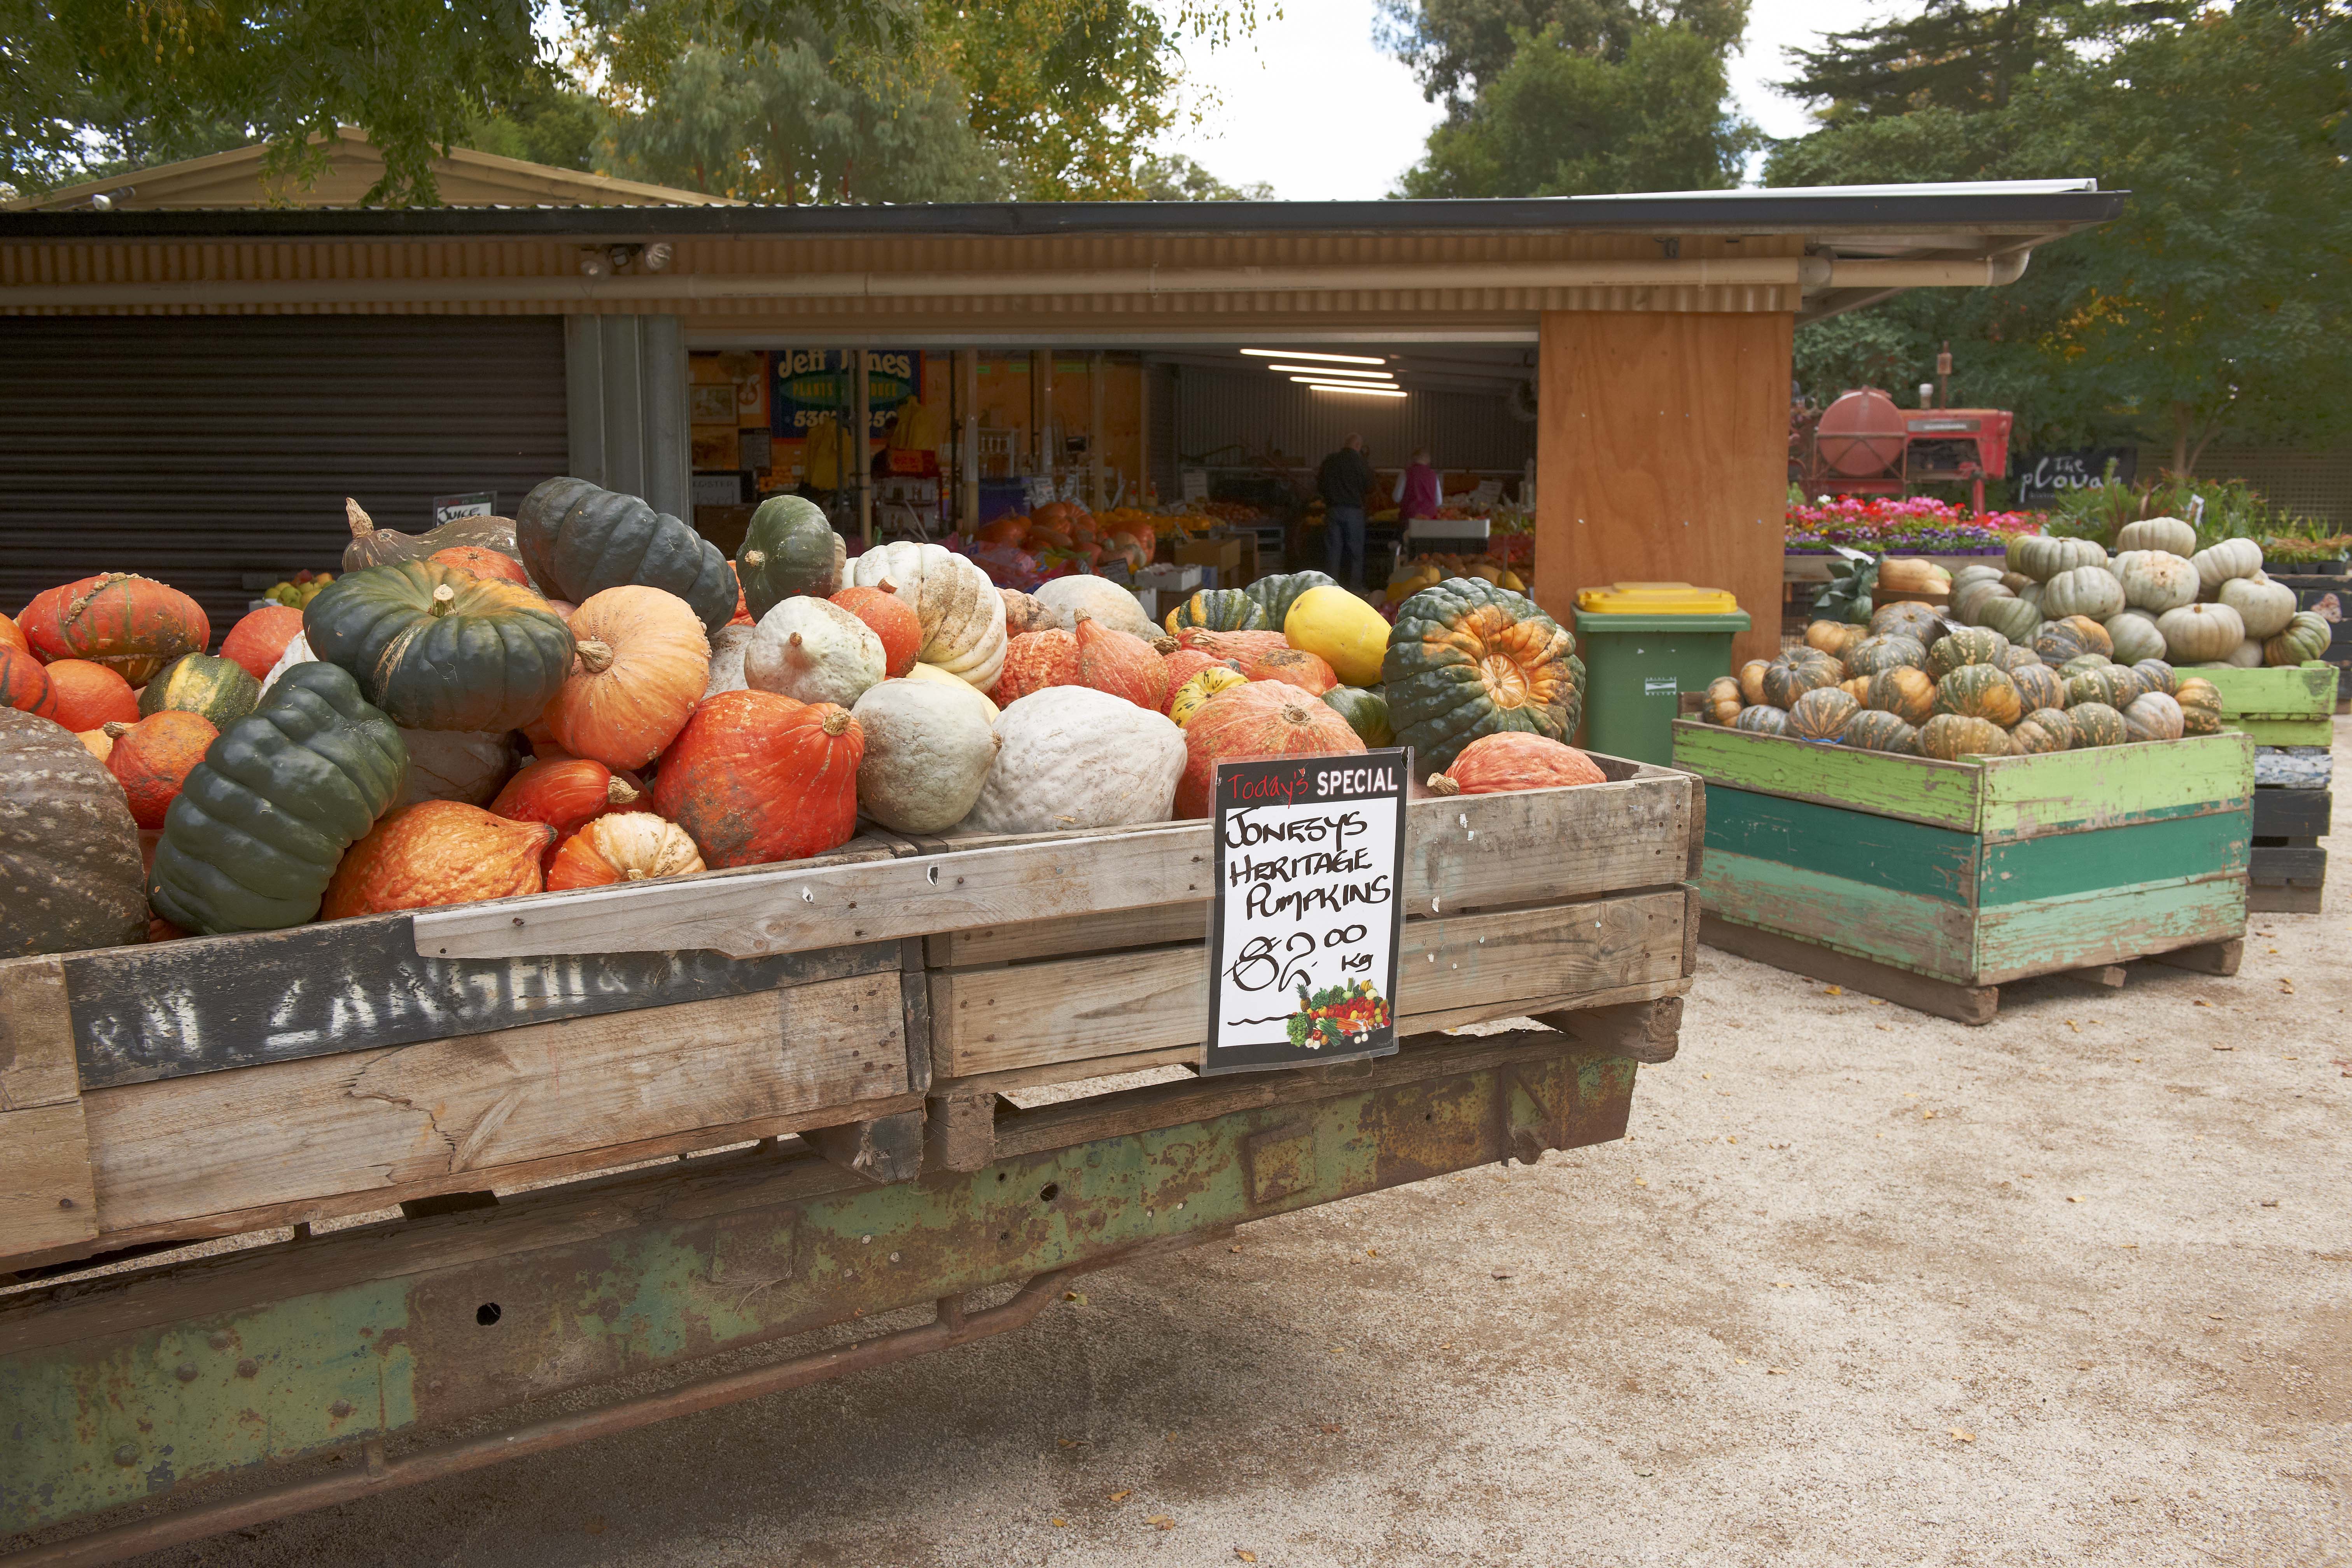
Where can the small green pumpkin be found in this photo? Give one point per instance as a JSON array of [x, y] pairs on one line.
[[1366, 711], [1822, 714], [1276, 593], [1907, 618], [1980, 691], [1969, 645], [1219, 610], [2012, 617], [2200, 705], [1793, 675], [220, 690], [788, 549], [2096, 725], [2038, 686], [2018, 656], [2043, 731], [261, 822], [1466, 659], [1949, 737], [1905, 693], [2306, 637], [1763, 718], [2072, 638], [2112, 685], [579, 538], [1875, 730], [440, 648], [1888, 651], [2156, 675]]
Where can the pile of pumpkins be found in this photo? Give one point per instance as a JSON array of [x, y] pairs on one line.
[[2159, 596], [1426, 570], [590, 693], [1061, 532], [1908, 684]]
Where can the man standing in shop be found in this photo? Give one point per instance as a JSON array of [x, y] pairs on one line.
[[1344, 480]]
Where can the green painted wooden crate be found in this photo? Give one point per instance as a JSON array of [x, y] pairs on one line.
[[2294, 705], [1977, 873]]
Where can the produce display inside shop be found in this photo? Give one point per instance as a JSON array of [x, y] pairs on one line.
[[591, 693]]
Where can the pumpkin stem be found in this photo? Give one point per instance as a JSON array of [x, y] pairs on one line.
[[635, 875], [755, 558], [595, 658], [1440, 785], [617, 791], [443, 596], [361, 524], [834, 723], [1163, 645], [115, 729], [887, 586]]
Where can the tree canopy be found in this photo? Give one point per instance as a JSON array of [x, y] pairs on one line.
[[2217, 307]]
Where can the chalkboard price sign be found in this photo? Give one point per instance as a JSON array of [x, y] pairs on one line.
[[1304, 930]]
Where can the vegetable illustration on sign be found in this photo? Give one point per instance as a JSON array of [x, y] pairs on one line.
[[1304, 934]]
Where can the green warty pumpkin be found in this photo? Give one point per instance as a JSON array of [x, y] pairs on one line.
[[1763, 718], [2096, 725], [438, 648], [1219, 610], [2043, 730], [1822, 713], [220, 690], [788, 549], [1874, 729], [1949, 737], [1888, 651], [579, 538], [1980, 691], [1466, 659], [2306, 637], [1276, 593], [1969, 645]]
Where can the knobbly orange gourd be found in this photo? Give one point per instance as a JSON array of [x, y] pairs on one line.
[[133, 625], [153, 757], [436, 852], [1034, 661], [566, 794], [1239, 646], [482, 562], [643, 662], [1515, 760], [1293, 667], [24, 684], [756, 777], [1257, 719], [1121, 664], [91, 695], [625, 846]]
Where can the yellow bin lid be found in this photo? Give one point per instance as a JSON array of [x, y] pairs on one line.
[[1655, 599]]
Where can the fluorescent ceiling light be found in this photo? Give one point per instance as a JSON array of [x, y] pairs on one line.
[[1335, 373], [1302, 354], [1355, 386]]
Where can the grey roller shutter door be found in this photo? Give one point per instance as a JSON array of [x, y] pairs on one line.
[[202, 451]]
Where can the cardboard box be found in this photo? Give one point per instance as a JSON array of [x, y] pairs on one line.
[[1222, 556]]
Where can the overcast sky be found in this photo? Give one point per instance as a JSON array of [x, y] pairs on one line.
[[1310, 107]]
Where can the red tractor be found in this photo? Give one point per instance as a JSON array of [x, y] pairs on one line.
[[1863, 444]]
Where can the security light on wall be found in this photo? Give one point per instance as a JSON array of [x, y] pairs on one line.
[[1302, 354], [1335, 374], [1360, 390]]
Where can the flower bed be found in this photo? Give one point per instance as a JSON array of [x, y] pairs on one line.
[[1919, 524]]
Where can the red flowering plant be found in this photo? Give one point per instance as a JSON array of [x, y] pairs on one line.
[[1919, 524]]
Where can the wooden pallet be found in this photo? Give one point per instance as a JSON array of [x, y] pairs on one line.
[[215, 1086], [2288, 873]]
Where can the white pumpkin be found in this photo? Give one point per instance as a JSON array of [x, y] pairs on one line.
[[928, 750], [2136, 636], [2247, 655], [2195, 634], [2012, 617], [296, 652], [464, 765], [2169, 535], [2153, 716], [932, 674], [1974, 572], [727, 646], [1106, 601], [2090, 591], [2265, 606], [813, 650], [1070, 758], [2230, 557], [2043, 557], [1970, 600], [2157, 581]]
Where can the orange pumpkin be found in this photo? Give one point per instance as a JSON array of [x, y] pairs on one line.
[[1239, 646], [436, 852], [566, 794], [259, 641], [1257, 719], [627, 846], [643, 664], [26, 685], [1034, 661], [756, 777], [98, 741], [151, 757], [1009, 530], [11, 637], [1511, 760], [889, 618], [482, 562], [1293, 667], [1121, 664], [131, 625], [89, 695]]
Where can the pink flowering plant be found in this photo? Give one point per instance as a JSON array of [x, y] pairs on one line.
[[1920, 524]]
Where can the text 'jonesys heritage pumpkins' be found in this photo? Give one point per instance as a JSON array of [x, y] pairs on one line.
[[755, 778]]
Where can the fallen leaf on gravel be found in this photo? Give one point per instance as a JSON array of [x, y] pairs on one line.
[[2202, 1003], [1644, 1181], [1122, 1495], [2215, 1316], [1078, 1295], [1502, 1273], [1371, 1252], [1162, 1521], [1061, 1525], [1964, 1436], [1776, 1372], [2270, 1202], [1446, 1346], [1731, 1139], [1244, 1556], [1835, 991], [1329, 1426], [1877, 1001], [1233, 1250], [2073, 1200], [2225, 1047], [1888, 1028], [1738, 1361], [1927, 1116]]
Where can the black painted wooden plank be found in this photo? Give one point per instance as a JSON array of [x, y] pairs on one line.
[[208, 1004], [2273, 866], [2292, 813]]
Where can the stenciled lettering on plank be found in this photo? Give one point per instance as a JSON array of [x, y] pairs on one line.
[[149, 1013]]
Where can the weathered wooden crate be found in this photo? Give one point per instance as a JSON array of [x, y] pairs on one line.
[[2284, 707], [215, 1086], [1932, 883]]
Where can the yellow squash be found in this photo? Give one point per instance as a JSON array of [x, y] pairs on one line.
[[1342, 630]]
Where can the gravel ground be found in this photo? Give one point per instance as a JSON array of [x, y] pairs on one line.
[[1863, 1287]]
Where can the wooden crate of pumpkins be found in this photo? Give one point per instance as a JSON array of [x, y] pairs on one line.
[[1928, 813]]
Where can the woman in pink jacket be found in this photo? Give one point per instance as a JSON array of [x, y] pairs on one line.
[[1417, 492]]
